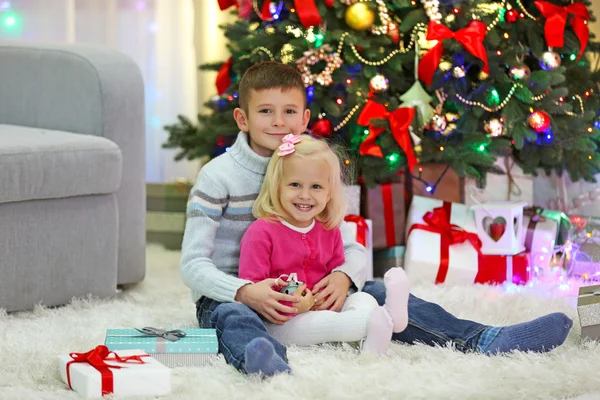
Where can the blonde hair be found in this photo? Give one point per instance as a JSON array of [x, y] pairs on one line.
[[269, 75], [268, 205]]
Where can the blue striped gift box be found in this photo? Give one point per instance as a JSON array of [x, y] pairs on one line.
[[199, 347]]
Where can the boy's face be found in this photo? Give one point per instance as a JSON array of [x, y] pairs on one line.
[[304, 190], [272, 114]]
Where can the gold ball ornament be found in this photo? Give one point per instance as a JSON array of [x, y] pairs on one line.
[[494, 127], [359, 16], [550, 60], [379, 83]]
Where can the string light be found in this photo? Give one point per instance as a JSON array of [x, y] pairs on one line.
[[524, 11], [259, 49], [387, 58], [501, 105], [348, 118]]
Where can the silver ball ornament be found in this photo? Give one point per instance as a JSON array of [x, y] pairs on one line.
[[550, 60], [379, 83], [521, 72], [459, 72], [494, 127], [438, 123]]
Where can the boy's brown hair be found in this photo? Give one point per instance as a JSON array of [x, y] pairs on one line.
[[268, 75]]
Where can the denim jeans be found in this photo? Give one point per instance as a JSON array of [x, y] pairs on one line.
[[428, 323], [236, 326]]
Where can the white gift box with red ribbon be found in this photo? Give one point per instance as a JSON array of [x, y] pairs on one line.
[[362, 230], [425, 252], [99, 372]]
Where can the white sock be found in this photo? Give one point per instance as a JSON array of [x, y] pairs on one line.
[[379, 332], [397, 289]]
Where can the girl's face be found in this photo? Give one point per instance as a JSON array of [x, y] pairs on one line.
[[304, 189]]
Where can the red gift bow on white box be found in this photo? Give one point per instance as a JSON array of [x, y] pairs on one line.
[[96, 358], [438, 221]]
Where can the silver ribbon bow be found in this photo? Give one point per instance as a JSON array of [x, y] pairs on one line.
[[172, 336]]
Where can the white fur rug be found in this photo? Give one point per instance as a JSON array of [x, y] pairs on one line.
[[31, 341]]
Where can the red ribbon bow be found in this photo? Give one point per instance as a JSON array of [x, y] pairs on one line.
[[308, 13], [225, 4], [470, 37], [399, 119], [556, 20], [438, 221], [361, 228], [96, 359], [224, 77]]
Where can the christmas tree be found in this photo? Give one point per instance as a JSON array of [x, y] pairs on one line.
[[401, 82]]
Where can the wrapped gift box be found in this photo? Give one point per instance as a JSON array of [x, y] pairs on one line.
[[540, 235], [588, 308], [150, 378], [166, 212], [584, 258], [424, 249], [353, 200], [493, 269], [362, 230], [513, 185], [449, 188], [199, 346], [430, 256], [384, 259], [385, 205]]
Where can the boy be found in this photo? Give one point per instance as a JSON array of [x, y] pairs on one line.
[[273, 104]]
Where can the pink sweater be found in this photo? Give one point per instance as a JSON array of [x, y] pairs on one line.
[[270, 249]]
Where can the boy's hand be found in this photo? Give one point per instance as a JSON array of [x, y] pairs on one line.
[[264, 300], [331, 291]]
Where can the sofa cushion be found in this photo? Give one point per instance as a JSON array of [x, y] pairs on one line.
[[42, 164]]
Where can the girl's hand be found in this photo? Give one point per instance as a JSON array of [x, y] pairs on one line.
[[307, 299], [331, 291], [264, 300]]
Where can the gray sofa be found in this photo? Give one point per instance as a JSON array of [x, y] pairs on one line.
[[72, 173]]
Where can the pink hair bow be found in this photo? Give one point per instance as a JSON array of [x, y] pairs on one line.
[[289, 141]]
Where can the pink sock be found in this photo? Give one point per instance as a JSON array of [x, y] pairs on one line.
[[379, 332], [397, 289]]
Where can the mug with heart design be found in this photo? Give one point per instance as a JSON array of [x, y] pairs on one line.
[[500, 227]]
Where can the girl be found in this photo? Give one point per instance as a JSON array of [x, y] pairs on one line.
[[299, 208]]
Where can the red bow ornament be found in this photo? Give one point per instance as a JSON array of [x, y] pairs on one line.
[[470, 37], [399, 119], [556, 20], [438, 221], [96, 358]]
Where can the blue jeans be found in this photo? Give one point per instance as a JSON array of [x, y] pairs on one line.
[[428, 323]]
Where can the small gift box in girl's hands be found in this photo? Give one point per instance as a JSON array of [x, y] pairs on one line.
[[125, 373]]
